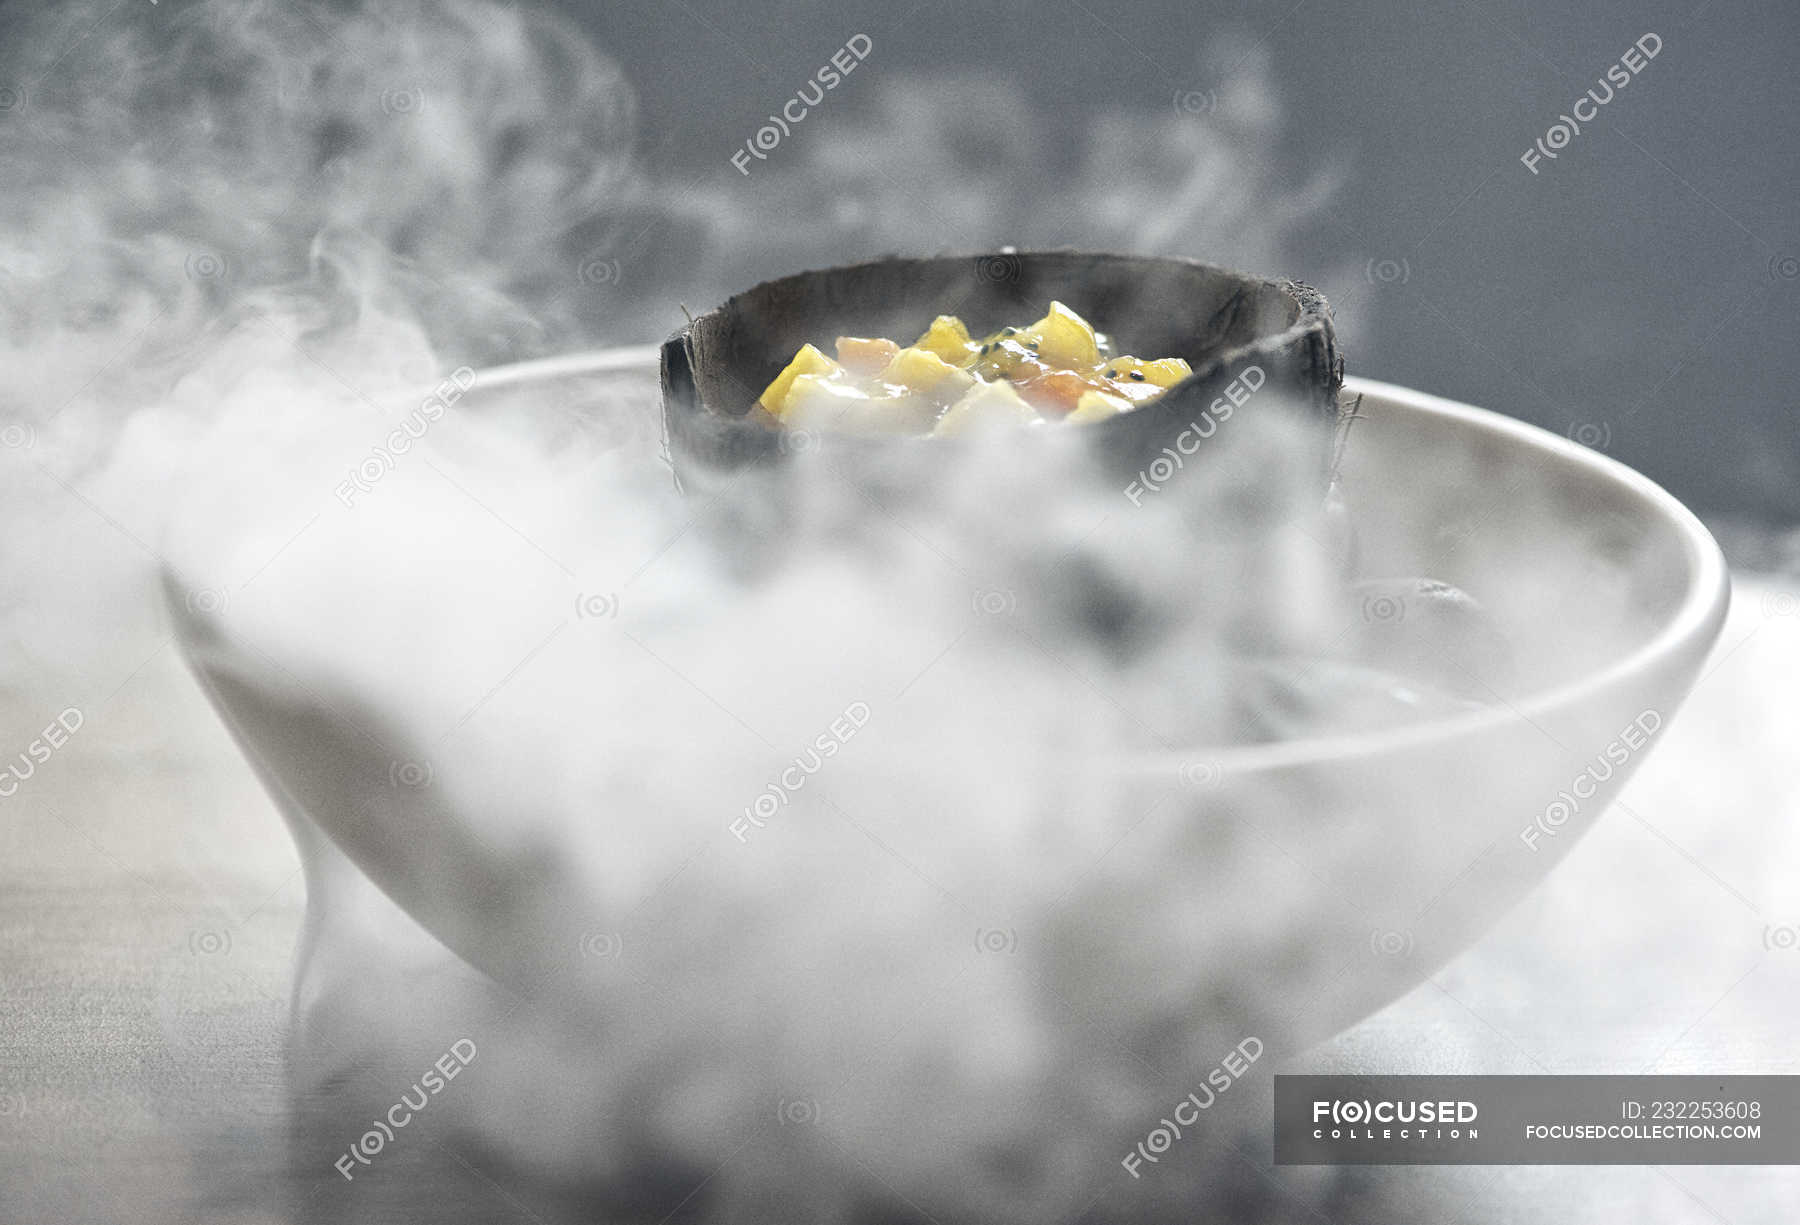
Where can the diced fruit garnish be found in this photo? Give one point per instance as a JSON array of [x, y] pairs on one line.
[[1097, 406], [923, 371], [819, 403], [1064, 339], [816, 401], [1058, 369], [862, 355], [1162, 373], [1007, 357], [948, 338], [808, 360], [984, 406], [1166, 372], [1056, 394]]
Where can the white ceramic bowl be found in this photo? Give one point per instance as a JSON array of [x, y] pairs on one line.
[[1353, 866]]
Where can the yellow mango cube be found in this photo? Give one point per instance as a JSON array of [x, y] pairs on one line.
[[948, 338], [809, 360], [1064, 339], [1164, 372], [923, 371]]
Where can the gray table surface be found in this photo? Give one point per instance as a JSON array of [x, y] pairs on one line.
[[150, 902]]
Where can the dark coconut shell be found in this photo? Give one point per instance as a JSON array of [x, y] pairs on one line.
[[1222, 322]]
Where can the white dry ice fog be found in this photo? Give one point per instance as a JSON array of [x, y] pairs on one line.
[[843, 856]]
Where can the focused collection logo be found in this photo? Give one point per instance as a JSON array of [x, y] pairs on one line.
[[1386, 1119]]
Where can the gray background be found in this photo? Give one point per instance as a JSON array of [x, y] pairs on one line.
[[1634, 286]]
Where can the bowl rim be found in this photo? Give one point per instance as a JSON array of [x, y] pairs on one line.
[[1692, 626]]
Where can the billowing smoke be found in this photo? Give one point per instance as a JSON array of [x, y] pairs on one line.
[[813, 880], [355, 199], [212, 198]]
